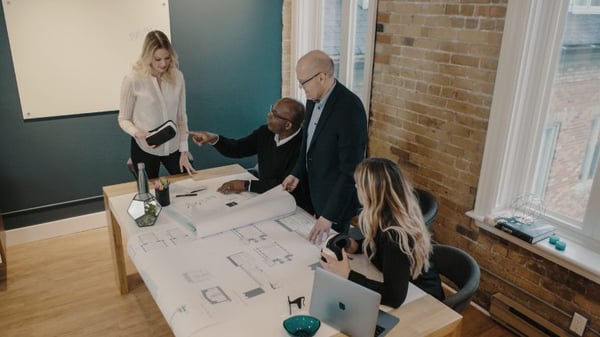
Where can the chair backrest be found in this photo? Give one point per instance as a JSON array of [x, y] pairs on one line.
[[428, 204], [461, 269]]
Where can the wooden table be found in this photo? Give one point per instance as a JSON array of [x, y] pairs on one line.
[[117, 244], [424, 316]]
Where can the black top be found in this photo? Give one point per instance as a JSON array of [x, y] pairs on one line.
[[274, 162], [395, 266]]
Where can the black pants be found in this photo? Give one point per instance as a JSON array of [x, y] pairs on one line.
[[152, 162]]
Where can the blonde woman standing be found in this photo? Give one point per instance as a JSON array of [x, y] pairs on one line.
[[152, 94], [395, 240]]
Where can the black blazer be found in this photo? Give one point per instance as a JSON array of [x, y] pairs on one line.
[[338, 145]]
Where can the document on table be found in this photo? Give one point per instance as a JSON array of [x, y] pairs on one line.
[[212, 212], [272, 204], [233, 273], [235, 282], [243, 274], [199, 199]]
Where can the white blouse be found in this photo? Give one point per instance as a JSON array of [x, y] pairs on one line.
[[145, 105]]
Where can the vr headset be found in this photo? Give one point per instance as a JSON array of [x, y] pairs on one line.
[[335, 244]]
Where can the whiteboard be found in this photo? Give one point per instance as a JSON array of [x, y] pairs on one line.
[[70, 56]]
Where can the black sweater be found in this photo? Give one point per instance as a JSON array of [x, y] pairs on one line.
[[395, 266], [274, 162]]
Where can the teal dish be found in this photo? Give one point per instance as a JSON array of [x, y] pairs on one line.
[[301, 325]]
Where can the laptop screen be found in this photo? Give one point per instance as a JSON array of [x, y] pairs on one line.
[[338, 302]]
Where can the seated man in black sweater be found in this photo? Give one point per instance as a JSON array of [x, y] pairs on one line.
[[276, 144]]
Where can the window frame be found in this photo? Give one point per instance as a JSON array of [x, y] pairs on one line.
[[590, 158], [529, 54], [585, 9], [307, 23], [549, 139]]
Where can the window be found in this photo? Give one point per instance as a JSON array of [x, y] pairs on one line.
[[585, 6], [545, 100], [344, 29]]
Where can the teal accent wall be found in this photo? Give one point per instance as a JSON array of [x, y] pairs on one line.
[[230, 54]]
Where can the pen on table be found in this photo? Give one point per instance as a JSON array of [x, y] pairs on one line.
[[198, 190], [187, 195]]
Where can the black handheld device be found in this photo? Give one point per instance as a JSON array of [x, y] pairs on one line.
[[335, 244], [162, 134]]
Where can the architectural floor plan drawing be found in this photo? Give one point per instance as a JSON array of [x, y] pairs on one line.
[[157, 240], [300, 222], [250, 234], [218, 274], [270, 205], [254, 272], [201, 282], [211, 257], [199, 200]]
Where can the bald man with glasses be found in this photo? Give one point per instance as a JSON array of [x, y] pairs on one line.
[[333, 143], [276, 145]]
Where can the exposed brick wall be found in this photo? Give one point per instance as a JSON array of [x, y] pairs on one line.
[[433, 80]]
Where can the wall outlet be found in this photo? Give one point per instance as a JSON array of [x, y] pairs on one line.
[[578, 324]]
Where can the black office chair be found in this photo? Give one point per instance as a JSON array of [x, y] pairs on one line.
[[428, 204], [461, 269]]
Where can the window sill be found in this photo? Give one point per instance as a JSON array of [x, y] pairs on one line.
[[576, 257]]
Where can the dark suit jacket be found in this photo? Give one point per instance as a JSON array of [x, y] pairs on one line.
[[338, 145]]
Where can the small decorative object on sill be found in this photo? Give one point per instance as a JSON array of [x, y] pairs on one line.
[[553, 239], [528, 208], [531, 232], [560, 245], [527, 221]]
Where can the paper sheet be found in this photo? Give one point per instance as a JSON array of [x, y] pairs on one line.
[[246, 272], [271, 204], [228, 273]]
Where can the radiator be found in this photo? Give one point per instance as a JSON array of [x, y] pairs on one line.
[[522, 320]]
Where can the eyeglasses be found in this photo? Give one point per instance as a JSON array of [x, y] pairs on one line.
[[275, 114], [299, 301], [302, 83]]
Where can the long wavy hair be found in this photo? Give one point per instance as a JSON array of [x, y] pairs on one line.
[[153, 41], [390, 205]]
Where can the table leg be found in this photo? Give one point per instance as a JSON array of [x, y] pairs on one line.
[[116, 246], [458, 331]]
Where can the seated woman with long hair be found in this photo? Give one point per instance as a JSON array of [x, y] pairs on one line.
[[395, 240]]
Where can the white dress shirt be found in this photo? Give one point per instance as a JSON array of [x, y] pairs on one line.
[[145, 105]]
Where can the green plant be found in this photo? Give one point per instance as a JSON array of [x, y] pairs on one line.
[[150, 209]]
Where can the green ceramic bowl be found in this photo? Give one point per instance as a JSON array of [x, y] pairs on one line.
[[302, 325]]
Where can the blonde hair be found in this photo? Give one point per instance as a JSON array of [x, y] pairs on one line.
[[390, 205], [153, 41]]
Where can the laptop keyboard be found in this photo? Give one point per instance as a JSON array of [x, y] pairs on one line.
[[378, 330]]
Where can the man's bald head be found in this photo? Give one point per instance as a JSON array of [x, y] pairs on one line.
[[316, 61]]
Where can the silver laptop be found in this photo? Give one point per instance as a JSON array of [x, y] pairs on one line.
[[348, 306]]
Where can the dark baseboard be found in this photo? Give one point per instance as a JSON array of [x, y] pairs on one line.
[[52, 213]]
